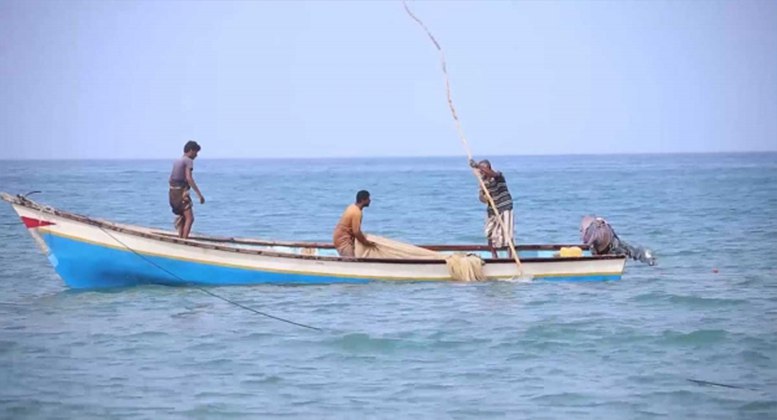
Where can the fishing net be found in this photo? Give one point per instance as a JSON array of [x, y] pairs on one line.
[[461, 267]]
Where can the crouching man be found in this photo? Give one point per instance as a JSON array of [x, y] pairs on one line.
[[602, 239]]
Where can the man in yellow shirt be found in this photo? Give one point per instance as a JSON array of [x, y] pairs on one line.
[[349, 228]]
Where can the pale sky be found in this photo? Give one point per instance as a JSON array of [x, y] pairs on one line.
[[137, 79]]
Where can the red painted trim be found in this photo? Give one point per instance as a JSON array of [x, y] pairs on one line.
[[34, 223]]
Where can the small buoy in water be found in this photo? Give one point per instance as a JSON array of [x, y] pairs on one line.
[[715, 270]]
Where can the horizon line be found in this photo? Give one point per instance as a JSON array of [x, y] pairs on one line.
[[396, 156]]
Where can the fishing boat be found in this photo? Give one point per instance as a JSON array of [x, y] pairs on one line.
[[92, 253]]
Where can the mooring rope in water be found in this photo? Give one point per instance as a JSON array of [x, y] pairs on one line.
[[46, 209], [206, 291], [460, 131], [702, 382]]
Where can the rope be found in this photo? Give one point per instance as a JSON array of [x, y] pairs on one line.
[[208, 291], [460, 131], [702, 382], [43, 209]]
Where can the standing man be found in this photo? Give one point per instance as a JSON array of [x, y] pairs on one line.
[[349, 228], [498, 236], [181, 180]]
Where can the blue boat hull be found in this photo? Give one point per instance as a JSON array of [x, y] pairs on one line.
[[86, 265]]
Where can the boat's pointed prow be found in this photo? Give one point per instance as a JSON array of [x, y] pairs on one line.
[[31, 221], [6, 197]]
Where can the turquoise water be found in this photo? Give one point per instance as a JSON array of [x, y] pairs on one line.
[[623, 349]]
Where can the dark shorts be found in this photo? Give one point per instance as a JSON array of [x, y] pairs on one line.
[[180, 200]]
